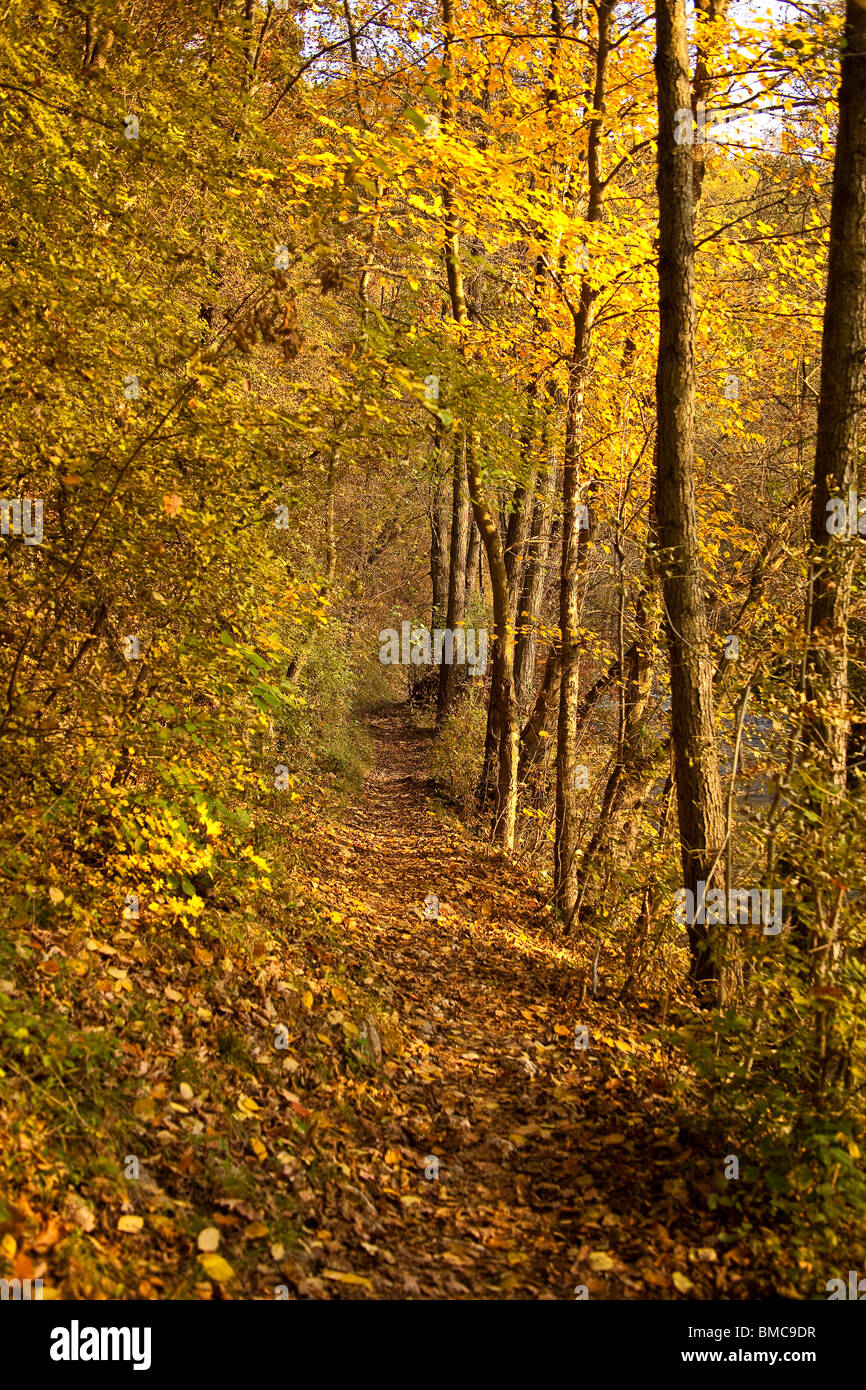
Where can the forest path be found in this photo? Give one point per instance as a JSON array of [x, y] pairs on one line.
[[558, 1167]]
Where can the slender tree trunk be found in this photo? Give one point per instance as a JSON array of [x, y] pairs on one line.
[[532, 591], [492, 732], [473, 561], [702, 87], [439, 553], [637, 756], [543, 714], [699, 793], [633, 757], [840, 411], [567, 821], [627, 778], [456, 574], [542, 529], [514, 535], [519, 521], [330, 533], [520, 516], [485, 518], [573, 539]]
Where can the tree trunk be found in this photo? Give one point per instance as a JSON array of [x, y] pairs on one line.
[[439, 553], [330, 534], [531, 595], [567, 821], [699, 793], [473, 562], [573, 538], [514, 536], [485, 518], [624, 790], [840, 408], [456, 575]]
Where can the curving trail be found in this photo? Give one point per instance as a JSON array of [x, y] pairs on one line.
[[557, 1167]]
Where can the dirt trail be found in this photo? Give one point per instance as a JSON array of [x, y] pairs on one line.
[[558, 1167]]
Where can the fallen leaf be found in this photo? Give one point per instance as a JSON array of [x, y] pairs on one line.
[[599, 1262], [52, 1231], [130, 1225], [681, 1283], [93, 945], [342, 1277], [215, 1267]]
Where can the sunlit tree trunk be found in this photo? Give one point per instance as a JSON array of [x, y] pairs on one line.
[[565, 849], [699, 793], [532, 591], [485, 518]]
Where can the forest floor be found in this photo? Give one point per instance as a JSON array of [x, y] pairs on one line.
[[558, 1167], [254, 1111]]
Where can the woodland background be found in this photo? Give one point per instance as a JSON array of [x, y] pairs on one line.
[[218, 325]]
